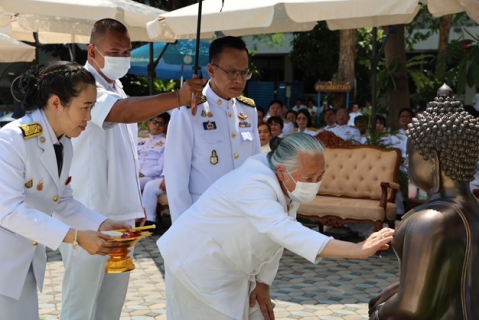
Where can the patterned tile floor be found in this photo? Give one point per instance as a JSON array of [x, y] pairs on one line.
[[332, 290]]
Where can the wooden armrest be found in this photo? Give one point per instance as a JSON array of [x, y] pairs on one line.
[[392, 185], [384, 195]]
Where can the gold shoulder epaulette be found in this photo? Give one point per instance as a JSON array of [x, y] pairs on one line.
[[202, 100], [286, 121], [143, 135], [313, 129], [31, 130], [294, 130], [247, 101]]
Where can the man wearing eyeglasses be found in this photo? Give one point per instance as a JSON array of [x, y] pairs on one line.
[[151, 150], [223, 134]]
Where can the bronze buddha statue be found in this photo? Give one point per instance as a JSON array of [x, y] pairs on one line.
[[437, 243]]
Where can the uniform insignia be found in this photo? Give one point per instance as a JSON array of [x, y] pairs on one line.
[[42, 139], [242, 116], [31, 130], [203, 99], [209, 125], [245, 124], [159, 144], [68, 180], [203, 114], [247, 101], [40, 185], [29, 184], [210, 114], [214, 157], [141, 143]]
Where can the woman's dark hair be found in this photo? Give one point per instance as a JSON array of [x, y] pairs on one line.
[[381, 119], [64, 79], [217, 46], [276, 119], [165, 116], [407, 110], [307, 115]]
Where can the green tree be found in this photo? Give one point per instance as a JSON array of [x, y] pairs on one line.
[[315, 53]]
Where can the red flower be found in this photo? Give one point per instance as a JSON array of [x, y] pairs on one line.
[[466, 44]]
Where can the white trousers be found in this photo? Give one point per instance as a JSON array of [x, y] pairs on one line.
[[143, 181], [88, 293], [151, 191], [26, 308], [182, 304]]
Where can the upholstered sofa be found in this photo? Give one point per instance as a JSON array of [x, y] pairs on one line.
[[359, 185]]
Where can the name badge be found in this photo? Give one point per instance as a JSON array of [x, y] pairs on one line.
[[209, 125]]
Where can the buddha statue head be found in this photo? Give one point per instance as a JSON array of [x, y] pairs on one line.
[[443, 143]]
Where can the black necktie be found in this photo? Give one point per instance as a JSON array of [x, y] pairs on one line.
[[59, 155]]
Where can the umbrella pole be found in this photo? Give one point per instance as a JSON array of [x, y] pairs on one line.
[[151, 69], [198, 37]]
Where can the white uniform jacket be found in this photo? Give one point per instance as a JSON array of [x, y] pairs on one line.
[[347, 133], [106, 159], [235, 233], [151, 153], [202, 148], [30, 193]]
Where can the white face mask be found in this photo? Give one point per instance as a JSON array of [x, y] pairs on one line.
[[304, 192], [115, 67]]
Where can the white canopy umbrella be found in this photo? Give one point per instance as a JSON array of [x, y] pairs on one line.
[[249, 17], [70, 21], [15, 51]]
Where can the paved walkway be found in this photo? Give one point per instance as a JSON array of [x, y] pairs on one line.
[[332, 290]]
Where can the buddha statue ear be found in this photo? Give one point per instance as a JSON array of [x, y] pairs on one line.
[[436, 172]]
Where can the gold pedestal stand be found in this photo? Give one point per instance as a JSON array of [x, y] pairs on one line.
[[119, 260]]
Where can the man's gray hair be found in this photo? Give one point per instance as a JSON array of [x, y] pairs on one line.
[[287, 150]]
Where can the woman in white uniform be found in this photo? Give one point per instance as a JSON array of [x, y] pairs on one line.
[[36, 204], [223, 253]]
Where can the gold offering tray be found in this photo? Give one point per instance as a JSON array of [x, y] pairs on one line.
[[119, 260]]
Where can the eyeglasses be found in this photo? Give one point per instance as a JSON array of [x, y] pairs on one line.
[[233, 74], [157, 123]]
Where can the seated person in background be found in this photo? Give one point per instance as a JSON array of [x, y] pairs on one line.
[[330, 119], [261, 115], [311, 107], [342, 129], [399, 140], [381, 128], [437, 243], [264, 136], [152, 190], [355, 112], [361, 123], [151, 150], [299, 105], [304, 122], [291, 117], [276, 109], [275, 124]]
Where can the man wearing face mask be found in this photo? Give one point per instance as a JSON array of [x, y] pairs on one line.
[[105, 169], [222, 254]]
